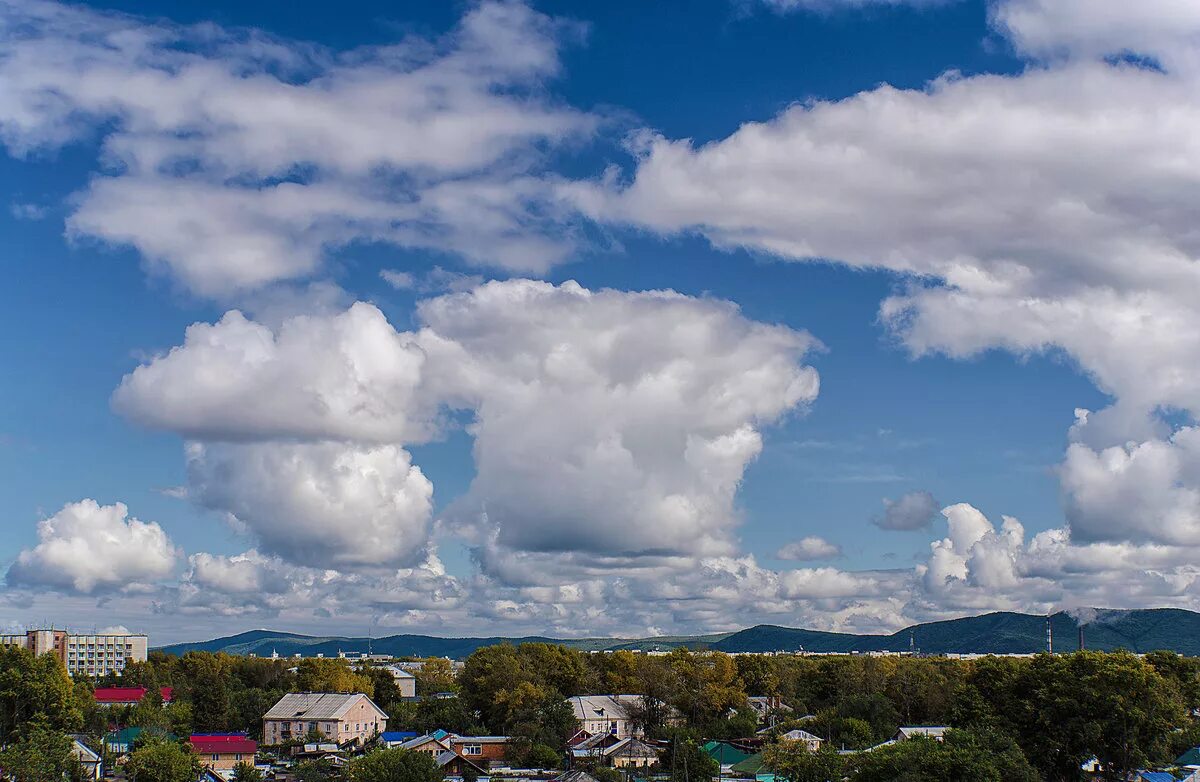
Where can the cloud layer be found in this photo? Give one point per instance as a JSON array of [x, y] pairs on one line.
[[233, 159]]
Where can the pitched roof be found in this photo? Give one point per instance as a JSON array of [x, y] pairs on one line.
[[630, 748], [449, 756], [575, 775], [750, 765], [421, 741], [223, 743], [603, 707], [724, 753], [1155, 776], [127, 694], [1189, 758], [315, 706], [802, 735]]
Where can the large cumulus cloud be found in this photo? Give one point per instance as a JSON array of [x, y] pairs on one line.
[[605, 423], [90, 548]]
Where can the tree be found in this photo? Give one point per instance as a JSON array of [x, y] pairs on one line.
[[162, 761], [795, 762], [319, 770], [149, 712], [395, 765], [436, 675], [246, 772], [686, 761], [41, 755], [963, 756], [321, 675], [35, 687]]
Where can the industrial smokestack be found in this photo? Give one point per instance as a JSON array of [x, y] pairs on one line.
[[1081, 646], [1049, 636]]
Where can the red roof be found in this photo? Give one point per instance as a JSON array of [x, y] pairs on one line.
[[127, 694], [223, 743]]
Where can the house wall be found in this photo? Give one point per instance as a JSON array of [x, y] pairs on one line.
[[224, 761], [361, 721], [488, 750]]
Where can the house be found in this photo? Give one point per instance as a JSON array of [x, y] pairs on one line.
[[452, 764], [223, 751], [608, 750], [768, 707], [482, 750], [338, 716], [89, 760], [127, 696], [405, 681], [607, 713], [432, 744], [937, 733], [812, 742], [630, 752]]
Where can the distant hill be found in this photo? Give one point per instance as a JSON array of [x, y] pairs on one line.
[[1141, 630]]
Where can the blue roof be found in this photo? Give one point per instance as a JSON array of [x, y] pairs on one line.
[[1156, 776], [398, 735]]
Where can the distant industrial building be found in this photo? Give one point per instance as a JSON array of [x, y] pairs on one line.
[[98, 654]]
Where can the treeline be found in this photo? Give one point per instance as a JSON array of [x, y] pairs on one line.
[[1050, 713]]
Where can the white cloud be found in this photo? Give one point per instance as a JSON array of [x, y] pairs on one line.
[[607, 423], [345, 376], [1038, 212], [90, 548], [233, 159], [1094, 28], [911, 511], [319, 504], [1139, 492], [808, 548], [610, 423]]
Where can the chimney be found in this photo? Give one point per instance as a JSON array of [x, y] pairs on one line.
[[1049, 636], [1081, 646]]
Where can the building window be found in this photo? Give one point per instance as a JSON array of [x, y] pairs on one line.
[[216, 757], [472, 749]]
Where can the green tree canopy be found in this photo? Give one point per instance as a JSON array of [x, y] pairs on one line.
[[162, 761], [395, 765], [41, 754], [35, 688], [794, 761]]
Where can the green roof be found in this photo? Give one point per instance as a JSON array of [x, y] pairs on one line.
[[725, 754], [1189, 758], [750, 765]]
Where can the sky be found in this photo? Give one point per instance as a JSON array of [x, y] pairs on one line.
[[596, 318]]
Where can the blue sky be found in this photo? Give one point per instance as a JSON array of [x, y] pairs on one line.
[[968, 206]]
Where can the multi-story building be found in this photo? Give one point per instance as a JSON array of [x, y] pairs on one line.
[[98, 654], [338, 716]]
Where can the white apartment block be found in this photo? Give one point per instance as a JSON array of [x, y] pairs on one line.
[[90, 655]]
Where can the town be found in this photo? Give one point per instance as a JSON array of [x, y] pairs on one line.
[[97, 706]]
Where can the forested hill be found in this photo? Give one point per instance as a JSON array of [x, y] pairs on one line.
[[1140, 630]]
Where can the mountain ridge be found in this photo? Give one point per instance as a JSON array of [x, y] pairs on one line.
[[1001, 632]]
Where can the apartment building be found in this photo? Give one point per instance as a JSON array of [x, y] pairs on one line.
[[97, 654], [338, 716]]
